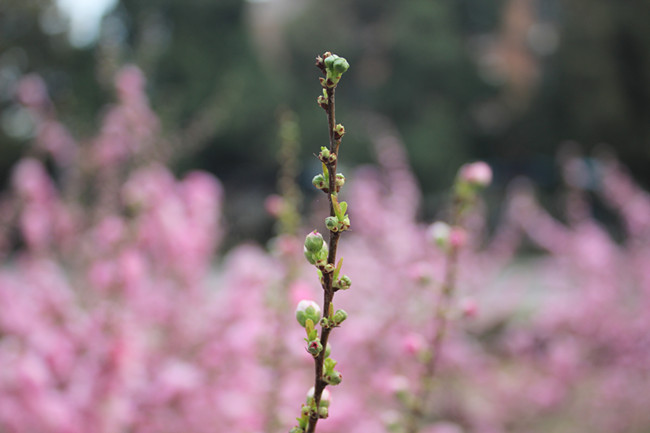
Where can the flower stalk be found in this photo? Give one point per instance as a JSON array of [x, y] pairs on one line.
[[323, 255]]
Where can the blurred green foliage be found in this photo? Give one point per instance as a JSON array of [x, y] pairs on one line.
[[218, 75]]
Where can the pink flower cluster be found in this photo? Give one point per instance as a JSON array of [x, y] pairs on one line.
[[116, 317]]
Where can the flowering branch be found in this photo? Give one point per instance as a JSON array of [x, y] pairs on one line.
[[471, 178], [323, 256]]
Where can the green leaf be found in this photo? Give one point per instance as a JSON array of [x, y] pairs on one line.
[[337, 208], [338, 269], [326, 173]]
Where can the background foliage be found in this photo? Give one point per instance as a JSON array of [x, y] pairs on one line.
[[507, 81]]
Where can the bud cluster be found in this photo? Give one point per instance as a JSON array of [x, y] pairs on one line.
[[326, 156], [334, 320], [321, 180], [333, 66]]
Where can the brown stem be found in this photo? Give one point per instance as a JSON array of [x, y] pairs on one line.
[[328, 278]]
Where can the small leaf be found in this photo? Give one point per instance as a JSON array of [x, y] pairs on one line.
[[344, 207], [326, 173], [337, 208], [338, 269]]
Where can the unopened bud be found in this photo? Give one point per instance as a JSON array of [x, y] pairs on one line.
[[325, 398], [323, 412], [335, 66], [318, 258], [339, 317], [307, 309], [345, 223], [332, 224], [340, 180], [333, 377], [319, 182], [314, 242], [339, 131], [322, 100], [343, 283], [314, 347], [478, 174]]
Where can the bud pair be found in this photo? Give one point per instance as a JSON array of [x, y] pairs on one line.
[[326, 156], [335, 320], [335, 66], [335, 225]]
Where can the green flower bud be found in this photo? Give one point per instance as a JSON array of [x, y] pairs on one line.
[[343, 283], [340, 180], [322, 99], [340, 316], [335, 66], [323, 412], [333, 377], [332, 224], [314, 242], [328, 59], [339, 131], [319, 182], [345, 224], [307, 309], [315, 347], [318, 258], [296, 430], [340, 65]]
